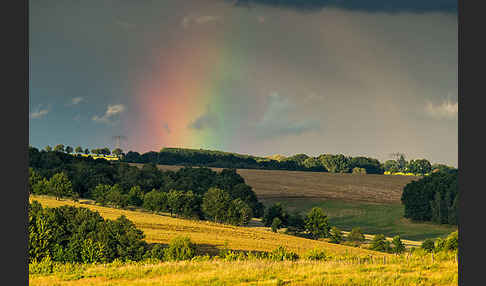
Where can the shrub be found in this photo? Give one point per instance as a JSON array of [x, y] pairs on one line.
[[215, 204], [379, 243], [45, 266], [180, 248], [275, 210], [451, 242], [398, 246], [156, 251], [356, 235], [336, 235], [315, 254], [239, 213], [281, 254], [428, 245], [316, 223], [276, 224], [155, 201]]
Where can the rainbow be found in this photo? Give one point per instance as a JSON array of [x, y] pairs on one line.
[[181, 86]]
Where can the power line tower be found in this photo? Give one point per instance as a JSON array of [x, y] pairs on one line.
[[118, 139]]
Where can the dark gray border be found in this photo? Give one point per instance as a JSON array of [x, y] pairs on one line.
[[471, 86], [15, 139]]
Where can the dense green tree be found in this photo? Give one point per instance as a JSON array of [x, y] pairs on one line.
[[430, 197], [48, 148], [356, 235], [397, 245], [441, 168], [175, 202], [316, 223], [276, 224], [60, 186], [313, 163], [366, 165], [335, 163], [99, 193], [70, 234], [135, 196], [239, 213], [155, 201], [336, 235], [191, 205], [428, 245], [78, 150], [86, 151], [59, 148], [69, 149], [116, 196], [419, 166], [34, 178], [275, 210], [379, 243], [295, 222], [215, 204], [392, 166]]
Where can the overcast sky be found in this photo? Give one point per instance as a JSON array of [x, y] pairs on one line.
[[331, 77]]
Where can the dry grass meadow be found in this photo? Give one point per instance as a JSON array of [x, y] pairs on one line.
[[344, 266], [258, 272], [208, 236]]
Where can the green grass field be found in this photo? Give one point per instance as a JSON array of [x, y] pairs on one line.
[[373, 218]]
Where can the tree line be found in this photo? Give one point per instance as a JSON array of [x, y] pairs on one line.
[[300, 162], [81, 150], [199, 193], [333, 163]]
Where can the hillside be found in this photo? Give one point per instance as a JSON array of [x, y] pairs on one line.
[[208, 236], [371, 202], [344, 265]]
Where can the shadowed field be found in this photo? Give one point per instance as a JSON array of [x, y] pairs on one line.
[[371, 202], [276, 184]]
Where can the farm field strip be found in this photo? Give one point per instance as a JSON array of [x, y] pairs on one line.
[[271, 184]]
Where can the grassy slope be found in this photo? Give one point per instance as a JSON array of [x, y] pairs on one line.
[[399, 270], [209, 237], [371, 202]]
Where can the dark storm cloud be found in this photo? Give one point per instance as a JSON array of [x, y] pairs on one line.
[[388, 6]]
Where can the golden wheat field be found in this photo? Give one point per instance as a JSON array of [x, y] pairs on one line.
[[209, 236], [345, 265]]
